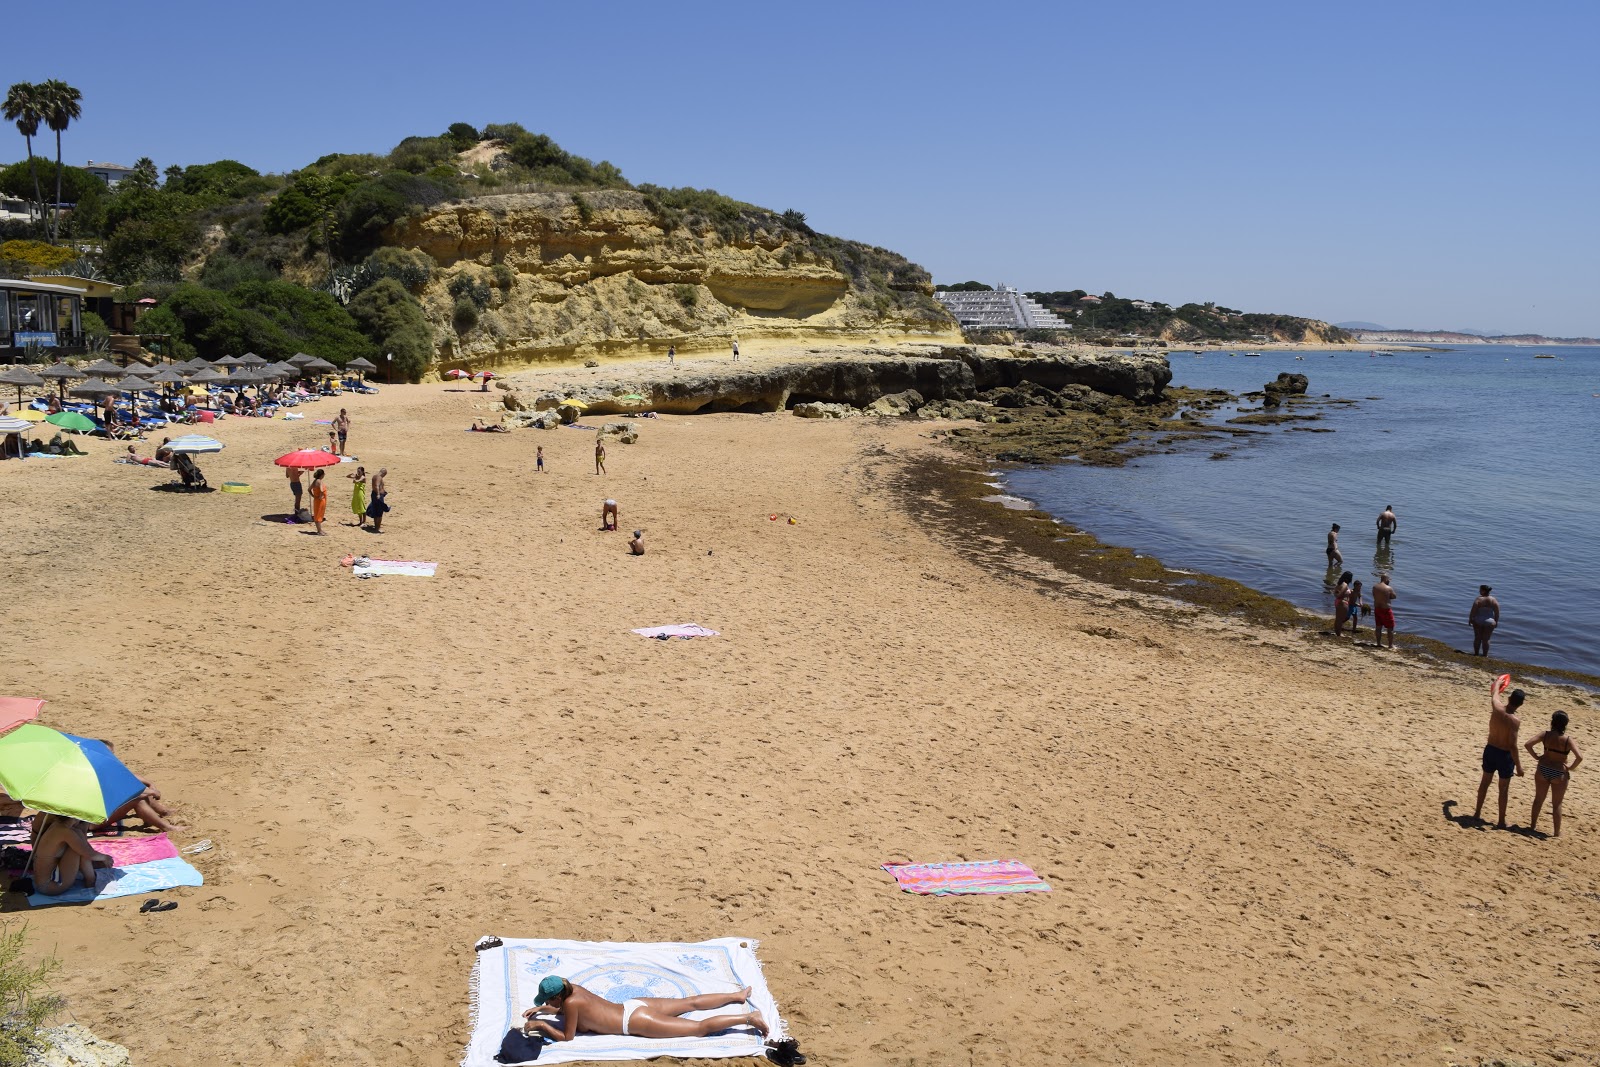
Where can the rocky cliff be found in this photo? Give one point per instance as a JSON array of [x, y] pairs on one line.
[[953, 373], [555, 275]]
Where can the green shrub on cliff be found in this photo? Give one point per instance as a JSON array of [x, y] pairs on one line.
[[395, 321]]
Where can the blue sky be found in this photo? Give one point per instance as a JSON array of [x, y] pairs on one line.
[[1411, 164]]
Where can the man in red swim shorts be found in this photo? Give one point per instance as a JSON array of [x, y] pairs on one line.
[[1383, 610]]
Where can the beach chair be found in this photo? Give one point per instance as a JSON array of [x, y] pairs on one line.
[[188, 472]]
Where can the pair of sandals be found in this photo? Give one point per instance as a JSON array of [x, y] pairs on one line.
[[157, 905], [785, 1052]]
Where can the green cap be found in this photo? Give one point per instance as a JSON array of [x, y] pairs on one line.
[[550, 987]]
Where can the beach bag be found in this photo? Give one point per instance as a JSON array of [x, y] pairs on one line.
[[302, 515], [518, 1047]]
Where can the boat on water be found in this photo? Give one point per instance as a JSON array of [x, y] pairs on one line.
[[1542, 355], [1252, 355]]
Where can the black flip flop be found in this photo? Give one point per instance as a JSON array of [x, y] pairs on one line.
[[157, 905]]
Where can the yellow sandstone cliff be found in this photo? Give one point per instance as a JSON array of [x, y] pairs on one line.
[[557, 276]]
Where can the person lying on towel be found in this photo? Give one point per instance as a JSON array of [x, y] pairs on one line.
[[583, 1012]]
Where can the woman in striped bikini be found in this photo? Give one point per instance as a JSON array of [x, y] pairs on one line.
[[1553, 774]]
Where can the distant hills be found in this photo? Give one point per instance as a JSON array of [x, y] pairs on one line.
[[1371, 332]]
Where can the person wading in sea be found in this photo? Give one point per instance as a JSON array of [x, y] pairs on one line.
[[1335, 557], [1386, 526], [1501, 755], [1484, 617], [1382, 611]]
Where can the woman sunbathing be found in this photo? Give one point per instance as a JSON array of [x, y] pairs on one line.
[[585, 1012], [61, 853]]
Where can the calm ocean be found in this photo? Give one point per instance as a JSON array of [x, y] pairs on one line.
[[1488, 455]]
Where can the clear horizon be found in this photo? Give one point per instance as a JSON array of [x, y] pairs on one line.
[[1418, 168]]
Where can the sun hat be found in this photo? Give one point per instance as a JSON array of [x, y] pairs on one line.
[[550, 987]]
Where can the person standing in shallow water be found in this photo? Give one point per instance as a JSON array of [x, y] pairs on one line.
[[1500, 755], [1383, 596], [1387, 524], [1483, 618], [1341, 602], [1335, 557], [1552, 774]]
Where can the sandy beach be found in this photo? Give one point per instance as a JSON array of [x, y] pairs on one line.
[[1250, 836]]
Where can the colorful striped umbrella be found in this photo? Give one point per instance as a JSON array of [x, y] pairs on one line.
[[66, 775], [194, 444]]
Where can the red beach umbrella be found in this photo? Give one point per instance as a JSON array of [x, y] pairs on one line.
[[457, 374], [307, 457], [14, 711]]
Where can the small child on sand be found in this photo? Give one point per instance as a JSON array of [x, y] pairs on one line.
[[538, 459], [636, 546]]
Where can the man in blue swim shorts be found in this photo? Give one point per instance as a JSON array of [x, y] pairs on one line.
[[1501, 755]]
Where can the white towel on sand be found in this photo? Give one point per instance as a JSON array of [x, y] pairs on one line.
[[505, 981], [682, 629], [362, 568]]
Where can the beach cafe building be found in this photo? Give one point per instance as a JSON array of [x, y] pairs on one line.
[[39, 316]]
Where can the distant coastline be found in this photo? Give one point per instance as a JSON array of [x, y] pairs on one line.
[[1449, 337]]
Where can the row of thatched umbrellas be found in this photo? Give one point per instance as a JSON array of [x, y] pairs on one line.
[[106, 378]]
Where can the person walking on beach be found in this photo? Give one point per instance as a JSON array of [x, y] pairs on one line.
[[538, 459], [736, 350], [1382, 611], [358, 496], [1335, 557], [599, 457], [294, 474], [341, 426], [1500, 755], [1483, 618], [379, 503], [319, 499], [1386, 526], [672, 353], [1552, 774]]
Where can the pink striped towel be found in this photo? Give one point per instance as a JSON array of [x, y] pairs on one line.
[[982, 876]]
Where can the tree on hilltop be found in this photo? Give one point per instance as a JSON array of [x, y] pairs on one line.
[[61, 105], [25, 106]]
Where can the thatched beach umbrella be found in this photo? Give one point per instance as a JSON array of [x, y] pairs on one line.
[[208, 376], [103, 368], [61, 372], [282, 370], [19, 377], [250, 359], [133, 385], [95, 389], [322, 366], [300, 359], [226, 361], [135, 367], [361, 363], [168, 376]]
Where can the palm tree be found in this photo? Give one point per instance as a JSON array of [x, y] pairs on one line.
[[23, 107], [61, 108]]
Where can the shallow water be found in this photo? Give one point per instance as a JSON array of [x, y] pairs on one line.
[[1487, 454]]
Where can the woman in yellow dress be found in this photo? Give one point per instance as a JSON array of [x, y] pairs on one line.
[[358, 498]]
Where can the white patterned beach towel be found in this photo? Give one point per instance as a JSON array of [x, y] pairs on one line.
[[414, 568], [505, 980]]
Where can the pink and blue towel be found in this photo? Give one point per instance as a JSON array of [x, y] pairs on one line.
[[981, 876]]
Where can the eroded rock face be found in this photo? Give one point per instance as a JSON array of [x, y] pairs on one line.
[[557, 281], [811, 409], [901, 383]]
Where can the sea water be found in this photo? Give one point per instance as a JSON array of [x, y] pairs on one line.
[[1487, 454]]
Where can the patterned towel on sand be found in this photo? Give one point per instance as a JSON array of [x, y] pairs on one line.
[[15, 830], [982, 876], [682, 629], [505, 980], [134, 848], [393, 566], [149, 877]]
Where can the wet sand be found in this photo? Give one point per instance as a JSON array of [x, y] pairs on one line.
[[1248, 835]]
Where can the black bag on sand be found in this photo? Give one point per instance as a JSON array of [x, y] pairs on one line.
[[785, 1052], [518, 1047]]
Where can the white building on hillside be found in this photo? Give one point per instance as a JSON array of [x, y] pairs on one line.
[[1002, 308], [110, 173]]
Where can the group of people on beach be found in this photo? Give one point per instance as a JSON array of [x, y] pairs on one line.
[[1349, 605], [62, 848], [1502, 758]]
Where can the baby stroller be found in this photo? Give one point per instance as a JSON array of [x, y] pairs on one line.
[[193, 479]]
